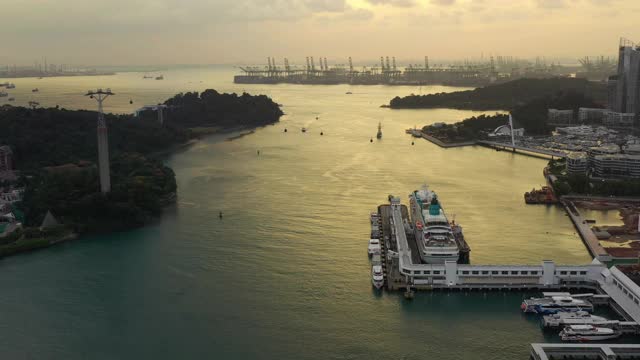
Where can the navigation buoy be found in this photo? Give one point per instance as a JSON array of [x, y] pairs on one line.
[[258, 152]]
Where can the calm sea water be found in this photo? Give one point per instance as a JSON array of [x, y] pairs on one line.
[[284, 274]]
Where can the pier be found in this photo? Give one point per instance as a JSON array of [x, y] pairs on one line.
[[588, 237], [404, 270], [584, 351], [522, 149]]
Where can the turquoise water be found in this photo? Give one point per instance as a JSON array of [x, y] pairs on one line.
[[284, 274]]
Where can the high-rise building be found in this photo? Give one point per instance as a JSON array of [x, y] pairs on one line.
[[627, 99], [6, 158]]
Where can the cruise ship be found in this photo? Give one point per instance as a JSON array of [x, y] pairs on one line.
[[433, 232]]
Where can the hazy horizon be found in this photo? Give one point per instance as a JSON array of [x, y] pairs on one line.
[[169, 32]]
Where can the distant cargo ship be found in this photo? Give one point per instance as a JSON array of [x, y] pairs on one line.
[[433, 232]]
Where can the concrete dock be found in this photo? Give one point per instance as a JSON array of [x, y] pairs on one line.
[[522, 149], [588, 237]]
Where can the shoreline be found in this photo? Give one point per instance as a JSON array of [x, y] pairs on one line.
[[442, 144], [24, 245]]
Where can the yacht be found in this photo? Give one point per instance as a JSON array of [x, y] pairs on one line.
[[374, 247], [588, 333], [377, 277], [433, 232], [555, 303], [562, 318]]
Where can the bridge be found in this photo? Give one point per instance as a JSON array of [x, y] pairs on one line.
[[505, 146]]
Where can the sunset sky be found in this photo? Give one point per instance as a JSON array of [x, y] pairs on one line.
[[132, 32]]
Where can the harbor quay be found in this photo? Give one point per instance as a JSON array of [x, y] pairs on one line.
[[403, 270], [584, 351]]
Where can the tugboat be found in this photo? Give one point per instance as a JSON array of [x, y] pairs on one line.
[[379, 134]]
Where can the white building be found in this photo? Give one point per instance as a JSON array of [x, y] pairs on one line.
[[619, 119], [623, 165], [556, 116], [591, 115], [577, 163]]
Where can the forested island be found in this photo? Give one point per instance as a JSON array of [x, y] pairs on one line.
[[506, 96], [55, 151], [532, 116]]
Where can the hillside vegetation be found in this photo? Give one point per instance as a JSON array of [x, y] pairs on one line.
[[505, 96]]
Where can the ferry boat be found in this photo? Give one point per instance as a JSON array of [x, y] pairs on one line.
[[576, 318], [588, 333], [551, 304], [433, 232]]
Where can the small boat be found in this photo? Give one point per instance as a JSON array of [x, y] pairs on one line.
[[575, 318], [11, 86], [374, 247], [3, 94], [552, 303], [161, 77], [379, 134], [588, 333], [375, 218], [35, 90], [147, 76], [377, 277], [348, 93], [321, 132], [304, 130], [285, 129], [11, 99]]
